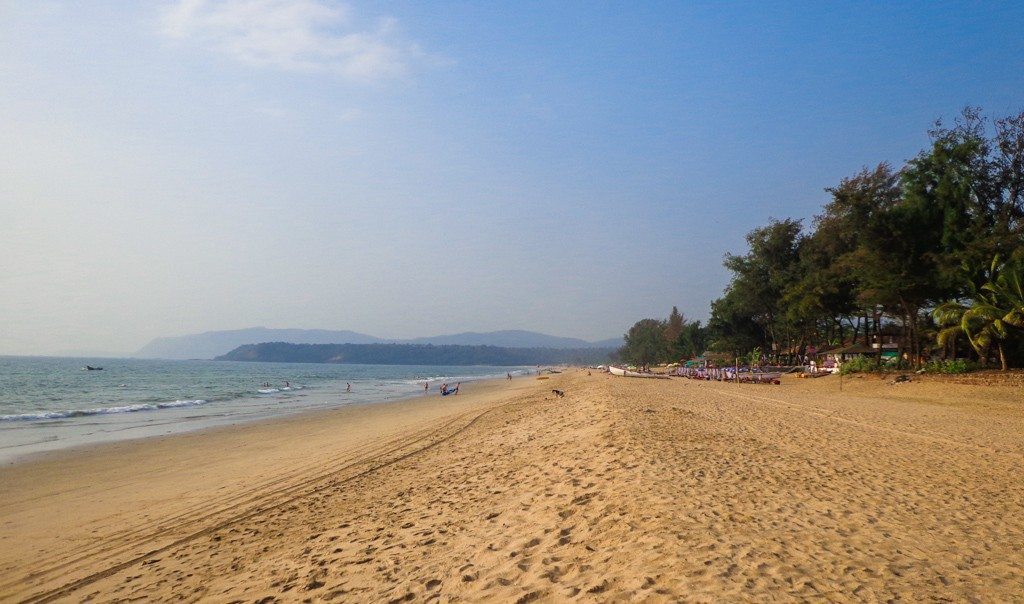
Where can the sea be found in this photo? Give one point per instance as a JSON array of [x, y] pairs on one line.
[[48, 404]]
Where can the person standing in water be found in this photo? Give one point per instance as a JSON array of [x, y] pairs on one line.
[[426, 386], [348, 387]]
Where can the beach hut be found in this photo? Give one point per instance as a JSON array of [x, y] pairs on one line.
[[843, 352], [853, 350], [831, 358]]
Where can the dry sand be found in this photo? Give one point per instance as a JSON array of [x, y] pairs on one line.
[[660, 490]]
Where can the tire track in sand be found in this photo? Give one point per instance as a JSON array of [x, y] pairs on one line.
[[924, 435], [201, 512], [260, 504]]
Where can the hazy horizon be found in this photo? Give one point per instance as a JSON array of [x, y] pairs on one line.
[[405, 169], [86, 352]]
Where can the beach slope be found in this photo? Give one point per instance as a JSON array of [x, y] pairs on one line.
[[656, 489]]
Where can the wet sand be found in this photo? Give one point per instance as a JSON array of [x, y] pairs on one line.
[[662, 490]]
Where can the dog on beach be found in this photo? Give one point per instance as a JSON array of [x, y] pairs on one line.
[[559, 393]]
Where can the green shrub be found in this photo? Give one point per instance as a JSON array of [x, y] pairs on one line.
[[950, 366], [858, 365]]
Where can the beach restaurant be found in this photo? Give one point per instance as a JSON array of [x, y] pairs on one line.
[[831, 359]]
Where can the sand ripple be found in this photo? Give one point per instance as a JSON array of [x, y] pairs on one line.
[[625, 490]]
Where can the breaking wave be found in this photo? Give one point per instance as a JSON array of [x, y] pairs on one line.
[[42, 415]]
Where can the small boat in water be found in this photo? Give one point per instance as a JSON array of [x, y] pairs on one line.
[[91, 368]]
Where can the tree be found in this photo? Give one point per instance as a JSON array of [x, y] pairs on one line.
[[831, 290], [1007, 286], [952, 191], [760, 280], [980, 321], [1009, 171], [673, 328], [889, 247], [969, 187], [890, 259], [994, 315], [731, 327], [692, 341], [645, 342]]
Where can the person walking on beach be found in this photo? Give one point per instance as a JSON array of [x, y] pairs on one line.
[[426, 386]]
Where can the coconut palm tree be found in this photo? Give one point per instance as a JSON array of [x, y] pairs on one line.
[[981, 322], [949, 316], [1007, 286], [995, 314]]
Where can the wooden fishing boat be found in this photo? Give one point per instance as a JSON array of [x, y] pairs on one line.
[[627, 373], [759, 377]]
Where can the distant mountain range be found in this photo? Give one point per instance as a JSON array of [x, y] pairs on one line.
[[512, 339], [415, 354], [216, 343]]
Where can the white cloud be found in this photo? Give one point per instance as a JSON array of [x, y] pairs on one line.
[[293, 35]]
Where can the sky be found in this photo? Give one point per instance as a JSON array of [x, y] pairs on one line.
[[408, 168]]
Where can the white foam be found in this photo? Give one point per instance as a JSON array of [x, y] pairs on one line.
[[98, 411], [192, 403]]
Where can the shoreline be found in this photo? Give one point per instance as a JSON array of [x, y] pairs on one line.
[[622, 489], [131, 482], [77, 451], [139, 416]]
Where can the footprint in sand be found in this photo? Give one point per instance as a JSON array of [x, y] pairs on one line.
[[531, 597]]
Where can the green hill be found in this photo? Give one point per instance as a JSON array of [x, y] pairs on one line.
[[414, 354]]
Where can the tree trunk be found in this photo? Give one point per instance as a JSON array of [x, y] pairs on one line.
[[910, 324], [917, 339], [1002, 355]]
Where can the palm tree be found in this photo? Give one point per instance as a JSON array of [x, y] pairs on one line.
[[1007, 286], [982, 322], [995, 314], [949, 317]]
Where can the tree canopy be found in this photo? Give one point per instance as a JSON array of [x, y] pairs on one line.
[[919, 256]]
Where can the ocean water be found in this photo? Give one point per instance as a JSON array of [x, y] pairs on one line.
[[55, 403]]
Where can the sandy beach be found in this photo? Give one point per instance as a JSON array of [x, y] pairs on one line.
[[625, 489]]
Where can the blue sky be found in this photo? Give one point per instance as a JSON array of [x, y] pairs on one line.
[[410, 168]]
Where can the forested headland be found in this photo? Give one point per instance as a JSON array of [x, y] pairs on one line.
[[415, 354], [928, 256]]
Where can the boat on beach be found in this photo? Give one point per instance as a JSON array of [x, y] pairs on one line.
[[730, 374], [612, 369]]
